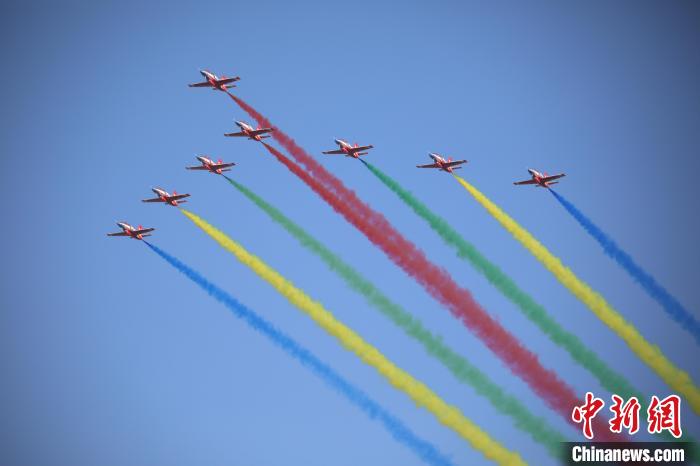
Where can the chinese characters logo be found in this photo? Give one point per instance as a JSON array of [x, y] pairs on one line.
[[662, 415]]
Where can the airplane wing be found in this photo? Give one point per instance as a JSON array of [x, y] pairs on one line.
[[177, 197], [455, 162], [121, 233], [547, 179], [240, 134], [155, 199], [143, 230], [361, 148], [204, 84], [222, 165], [228, 80], [432, 165], [334, 152], [261, 131], [526, 182], [198, 167]]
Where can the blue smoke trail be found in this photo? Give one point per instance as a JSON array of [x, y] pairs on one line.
[[670, 304], [425, 450]]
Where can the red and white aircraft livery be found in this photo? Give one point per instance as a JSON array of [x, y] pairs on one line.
[[249, 132], [218, 168], [166, 197], [542, 180], [216, 83], [132, 232], [348, 150], [443, 164]]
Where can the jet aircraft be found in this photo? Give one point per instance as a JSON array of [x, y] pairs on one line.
[[541, 180], [348, 150], [138, 232], [215, 82], [247, 131], [173, 199], [439, 162], [218, 168]]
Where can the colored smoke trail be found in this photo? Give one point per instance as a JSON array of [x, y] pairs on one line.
[[650, 354], [436, 281], [425, 450], [670, 304], [462, 369], [608, 378], [423, 396]]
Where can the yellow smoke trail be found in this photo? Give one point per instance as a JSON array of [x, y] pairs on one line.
[[650, 354], [423, 396]]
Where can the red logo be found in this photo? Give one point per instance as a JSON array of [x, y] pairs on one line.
[[661, 415], [665, 415], [626, 415], [586, 413]]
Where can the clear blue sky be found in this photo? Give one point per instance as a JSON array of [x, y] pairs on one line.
[[110, 357]]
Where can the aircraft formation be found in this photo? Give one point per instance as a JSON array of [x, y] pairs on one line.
[[544, 382], [223, 83]]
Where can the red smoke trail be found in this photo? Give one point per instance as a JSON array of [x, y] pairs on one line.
[[555, 392]]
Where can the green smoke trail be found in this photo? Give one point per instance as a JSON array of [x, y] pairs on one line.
[[608, 378], [458, 365]]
